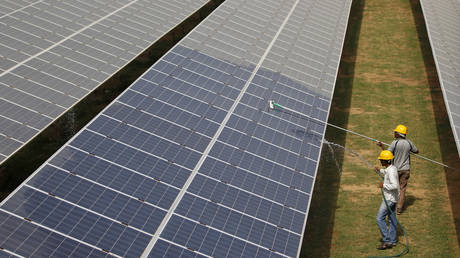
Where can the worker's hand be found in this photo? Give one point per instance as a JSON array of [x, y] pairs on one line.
[[377, 169], [381, 185], [380, 144]]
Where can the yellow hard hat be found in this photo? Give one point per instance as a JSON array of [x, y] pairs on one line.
[[401, 129], [386, 155]]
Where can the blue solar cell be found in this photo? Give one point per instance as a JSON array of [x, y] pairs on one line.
[[249, 251], [229, 197], [256, 232], [241, 200], [223, 243], [268, 237], [209, 242], [186, 228], [232, 222], [220, 218], [196, 242], [244, 227]]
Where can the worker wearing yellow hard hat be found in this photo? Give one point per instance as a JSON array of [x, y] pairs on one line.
[[401, 148], [390, 189], [401, 129], [386, 155]]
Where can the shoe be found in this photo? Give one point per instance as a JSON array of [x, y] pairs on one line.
[[384, 246], [393, 244]]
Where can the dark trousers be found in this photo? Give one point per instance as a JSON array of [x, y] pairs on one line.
[[403, 178]]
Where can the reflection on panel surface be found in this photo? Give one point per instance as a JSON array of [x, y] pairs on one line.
[[189, 161], [53, 53]]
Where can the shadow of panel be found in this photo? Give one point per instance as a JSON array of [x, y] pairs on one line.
[[445, 136], [318, 231]]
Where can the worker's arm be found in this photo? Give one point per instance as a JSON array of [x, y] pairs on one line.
[[413, 149], [379, 170], [379, 143]]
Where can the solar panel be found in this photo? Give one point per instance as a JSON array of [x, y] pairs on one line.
[[54, 53], [9, 6], [442, 19], [189, 161]]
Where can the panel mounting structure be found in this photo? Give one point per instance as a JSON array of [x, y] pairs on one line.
[[189, 160]]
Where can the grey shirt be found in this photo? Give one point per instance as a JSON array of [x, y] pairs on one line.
[[401, 149]]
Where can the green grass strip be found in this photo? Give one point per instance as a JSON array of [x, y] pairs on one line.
[[387, 77]]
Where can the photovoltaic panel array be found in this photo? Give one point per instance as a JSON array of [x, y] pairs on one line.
[[442, 19], [55, 52], [189, 161]]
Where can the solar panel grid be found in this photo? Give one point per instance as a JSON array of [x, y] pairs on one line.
[[35, 239], [10, 6], [250, 194], [442, 19], [115, 158], [9, 144], [54, 53], [210, 154], [74, 221], [326, 104]]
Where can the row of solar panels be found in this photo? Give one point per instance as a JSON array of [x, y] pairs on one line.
[[187, 161], [54, 53], [442, 20]]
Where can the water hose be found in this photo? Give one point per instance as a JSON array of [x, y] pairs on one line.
[[406, 249], [278, 107]]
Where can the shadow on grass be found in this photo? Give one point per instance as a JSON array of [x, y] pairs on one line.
[[28, 159], [318, 231], [410, 200], [446, 139]]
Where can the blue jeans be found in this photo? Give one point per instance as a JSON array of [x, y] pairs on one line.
[[388, 232]]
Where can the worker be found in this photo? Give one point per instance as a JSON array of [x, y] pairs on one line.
[[390, 188], [401, 148]]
